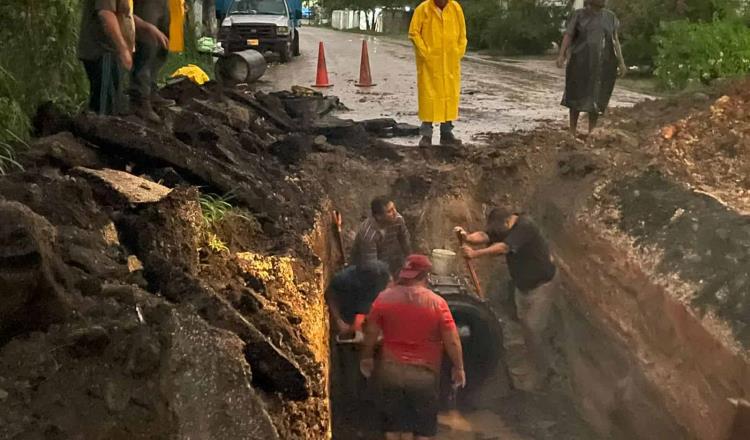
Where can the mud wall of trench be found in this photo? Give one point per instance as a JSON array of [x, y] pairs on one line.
[[636, 362], [641, 364]]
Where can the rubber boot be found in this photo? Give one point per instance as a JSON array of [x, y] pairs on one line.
[[158, 101], [145, 110], [448, 140], [425, 142]]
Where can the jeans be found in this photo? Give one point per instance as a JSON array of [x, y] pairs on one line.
[[446, 128], [104, 84], [534, 309], [149, 58]]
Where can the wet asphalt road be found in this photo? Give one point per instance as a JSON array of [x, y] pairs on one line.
[[497, 95]]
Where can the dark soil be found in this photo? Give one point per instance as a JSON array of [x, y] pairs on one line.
[[137, 323]]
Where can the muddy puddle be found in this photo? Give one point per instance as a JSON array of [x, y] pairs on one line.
[[497, 96]]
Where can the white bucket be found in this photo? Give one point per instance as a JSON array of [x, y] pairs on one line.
[[443, 262]]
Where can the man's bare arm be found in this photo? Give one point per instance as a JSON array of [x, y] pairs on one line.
[[333, 309], [372, 331], [146, 31], [112, 30], [492, 250], [367, 361], [452, 344], [475, 238]]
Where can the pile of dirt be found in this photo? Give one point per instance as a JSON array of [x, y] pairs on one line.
[[128, 316], [118, 318], [711, 149]]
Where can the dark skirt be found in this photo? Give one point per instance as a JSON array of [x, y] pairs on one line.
[[590, 79]]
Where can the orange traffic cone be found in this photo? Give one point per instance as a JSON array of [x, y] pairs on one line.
[[365, 76], [321, 80]]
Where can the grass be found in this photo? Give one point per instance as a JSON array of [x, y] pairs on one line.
[[215, 207]]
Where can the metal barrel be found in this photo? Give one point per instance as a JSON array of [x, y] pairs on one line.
[[241, 67]]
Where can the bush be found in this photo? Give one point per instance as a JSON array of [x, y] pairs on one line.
[[701, 51], [640, 21], [38, 60], [519, 27]]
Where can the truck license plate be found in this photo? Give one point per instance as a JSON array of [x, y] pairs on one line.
[[252, 42]]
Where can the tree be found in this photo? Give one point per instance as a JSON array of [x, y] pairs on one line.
[[640, 21]]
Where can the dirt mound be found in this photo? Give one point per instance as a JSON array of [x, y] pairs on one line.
[[147, 320], [711, 149], [118, 320]]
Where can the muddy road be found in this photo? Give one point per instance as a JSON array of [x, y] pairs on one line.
[[498, 96]]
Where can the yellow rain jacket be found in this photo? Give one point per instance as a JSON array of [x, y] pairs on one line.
[[176, 25], [439, 39]]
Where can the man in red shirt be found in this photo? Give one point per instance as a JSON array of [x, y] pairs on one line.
[[417, 326]]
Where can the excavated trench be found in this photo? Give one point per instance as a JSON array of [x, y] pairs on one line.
[[141, 320], [630, 361]]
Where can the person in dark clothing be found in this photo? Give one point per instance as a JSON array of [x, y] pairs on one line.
[[351, 292], [591, 48], [105, 47], [531, 267], [148, 61]]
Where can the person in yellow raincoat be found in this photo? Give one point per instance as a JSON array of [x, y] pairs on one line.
[[438, 31]]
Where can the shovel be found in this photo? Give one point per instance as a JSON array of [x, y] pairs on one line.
[[470, 266], [337, 222]]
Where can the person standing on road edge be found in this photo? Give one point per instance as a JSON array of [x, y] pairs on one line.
[[149, 58], [438, 31], [382, 236], [416, 325], [591, 48], [105, 47], [532, 269]]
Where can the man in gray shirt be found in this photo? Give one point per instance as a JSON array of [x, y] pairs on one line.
[[383, 236]]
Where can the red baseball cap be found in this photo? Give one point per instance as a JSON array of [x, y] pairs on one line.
[[415, 266]]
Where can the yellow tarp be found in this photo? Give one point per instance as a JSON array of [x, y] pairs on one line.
[[193, 73]]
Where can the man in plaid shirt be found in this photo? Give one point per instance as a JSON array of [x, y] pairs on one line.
[[383, 236]]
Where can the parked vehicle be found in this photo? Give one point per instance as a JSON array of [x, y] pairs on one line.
[[262, 25]]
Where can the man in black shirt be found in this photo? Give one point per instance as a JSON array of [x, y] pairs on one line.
[[351, 292], [530, 265]]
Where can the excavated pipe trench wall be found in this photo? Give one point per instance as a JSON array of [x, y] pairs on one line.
[[630, 353], [642, 365]]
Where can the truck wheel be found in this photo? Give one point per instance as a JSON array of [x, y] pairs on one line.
[[295, 44], [286, 54]]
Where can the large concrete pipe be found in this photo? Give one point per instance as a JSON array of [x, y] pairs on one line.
[[241, 67], [479, 327], [481, 337]]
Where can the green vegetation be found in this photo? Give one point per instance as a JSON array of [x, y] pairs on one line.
[[37, 62], [217, 209], [701, 52], [191, 55], [523, 27], [214, 243], [641, 21]]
